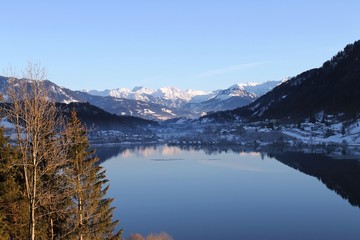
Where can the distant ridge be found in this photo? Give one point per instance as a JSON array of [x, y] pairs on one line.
[[160, 104], [193, 103]]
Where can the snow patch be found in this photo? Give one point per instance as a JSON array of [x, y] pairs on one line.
[[168, 111]]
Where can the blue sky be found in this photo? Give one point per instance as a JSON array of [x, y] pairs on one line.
[[187, 44]]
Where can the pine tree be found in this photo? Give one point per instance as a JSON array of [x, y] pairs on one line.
[[50, 184], [13, 209], [91, 211]]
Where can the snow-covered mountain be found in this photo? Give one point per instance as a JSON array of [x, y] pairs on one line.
[[160, 104], [236, 90], [170, 96], [172, 102], [119, 106], [260, 89], [196, 101], [233, 97]]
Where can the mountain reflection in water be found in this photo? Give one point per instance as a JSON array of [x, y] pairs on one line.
[[339, 175], [245, 193]]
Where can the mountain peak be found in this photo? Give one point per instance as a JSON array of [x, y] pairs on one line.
[[234, 90], [137, 88], [248, 84], [196, 92], [171, 93], [143, 90], [237, 87]]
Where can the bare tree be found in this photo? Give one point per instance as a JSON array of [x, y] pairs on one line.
[[37, 126]]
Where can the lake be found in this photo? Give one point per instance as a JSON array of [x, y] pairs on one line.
[[231, 193]]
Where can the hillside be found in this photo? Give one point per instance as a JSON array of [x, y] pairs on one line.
[[332, 89], [97, 119]]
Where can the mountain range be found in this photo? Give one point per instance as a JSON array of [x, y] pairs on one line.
[[161, 104], [330, 90], [170, 102]]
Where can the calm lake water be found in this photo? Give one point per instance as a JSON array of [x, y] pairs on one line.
[[195, 194]]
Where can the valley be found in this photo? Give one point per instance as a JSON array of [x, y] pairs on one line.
[[317, 107]]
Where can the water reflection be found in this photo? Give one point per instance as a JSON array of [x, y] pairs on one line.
[[339, 175], [107, 152], [242, 193]]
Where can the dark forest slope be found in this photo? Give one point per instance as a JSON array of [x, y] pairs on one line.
[[334, 88], [97, 118]]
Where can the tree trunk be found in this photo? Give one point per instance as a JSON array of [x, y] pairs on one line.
[[80, 211], [33, 199], [51, 229], [32, 219]]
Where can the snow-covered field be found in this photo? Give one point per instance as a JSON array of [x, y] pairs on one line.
[[321, 134]]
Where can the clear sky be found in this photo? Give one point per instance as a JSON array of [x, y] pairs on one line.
[[198, 44]]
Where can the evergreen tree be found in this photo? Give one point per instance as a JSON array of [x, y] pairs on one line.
[[91, 211], [13, 208], [50, 184]]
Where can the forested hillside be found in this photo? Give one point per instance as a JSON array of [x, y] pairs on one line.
[[333, 89]]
